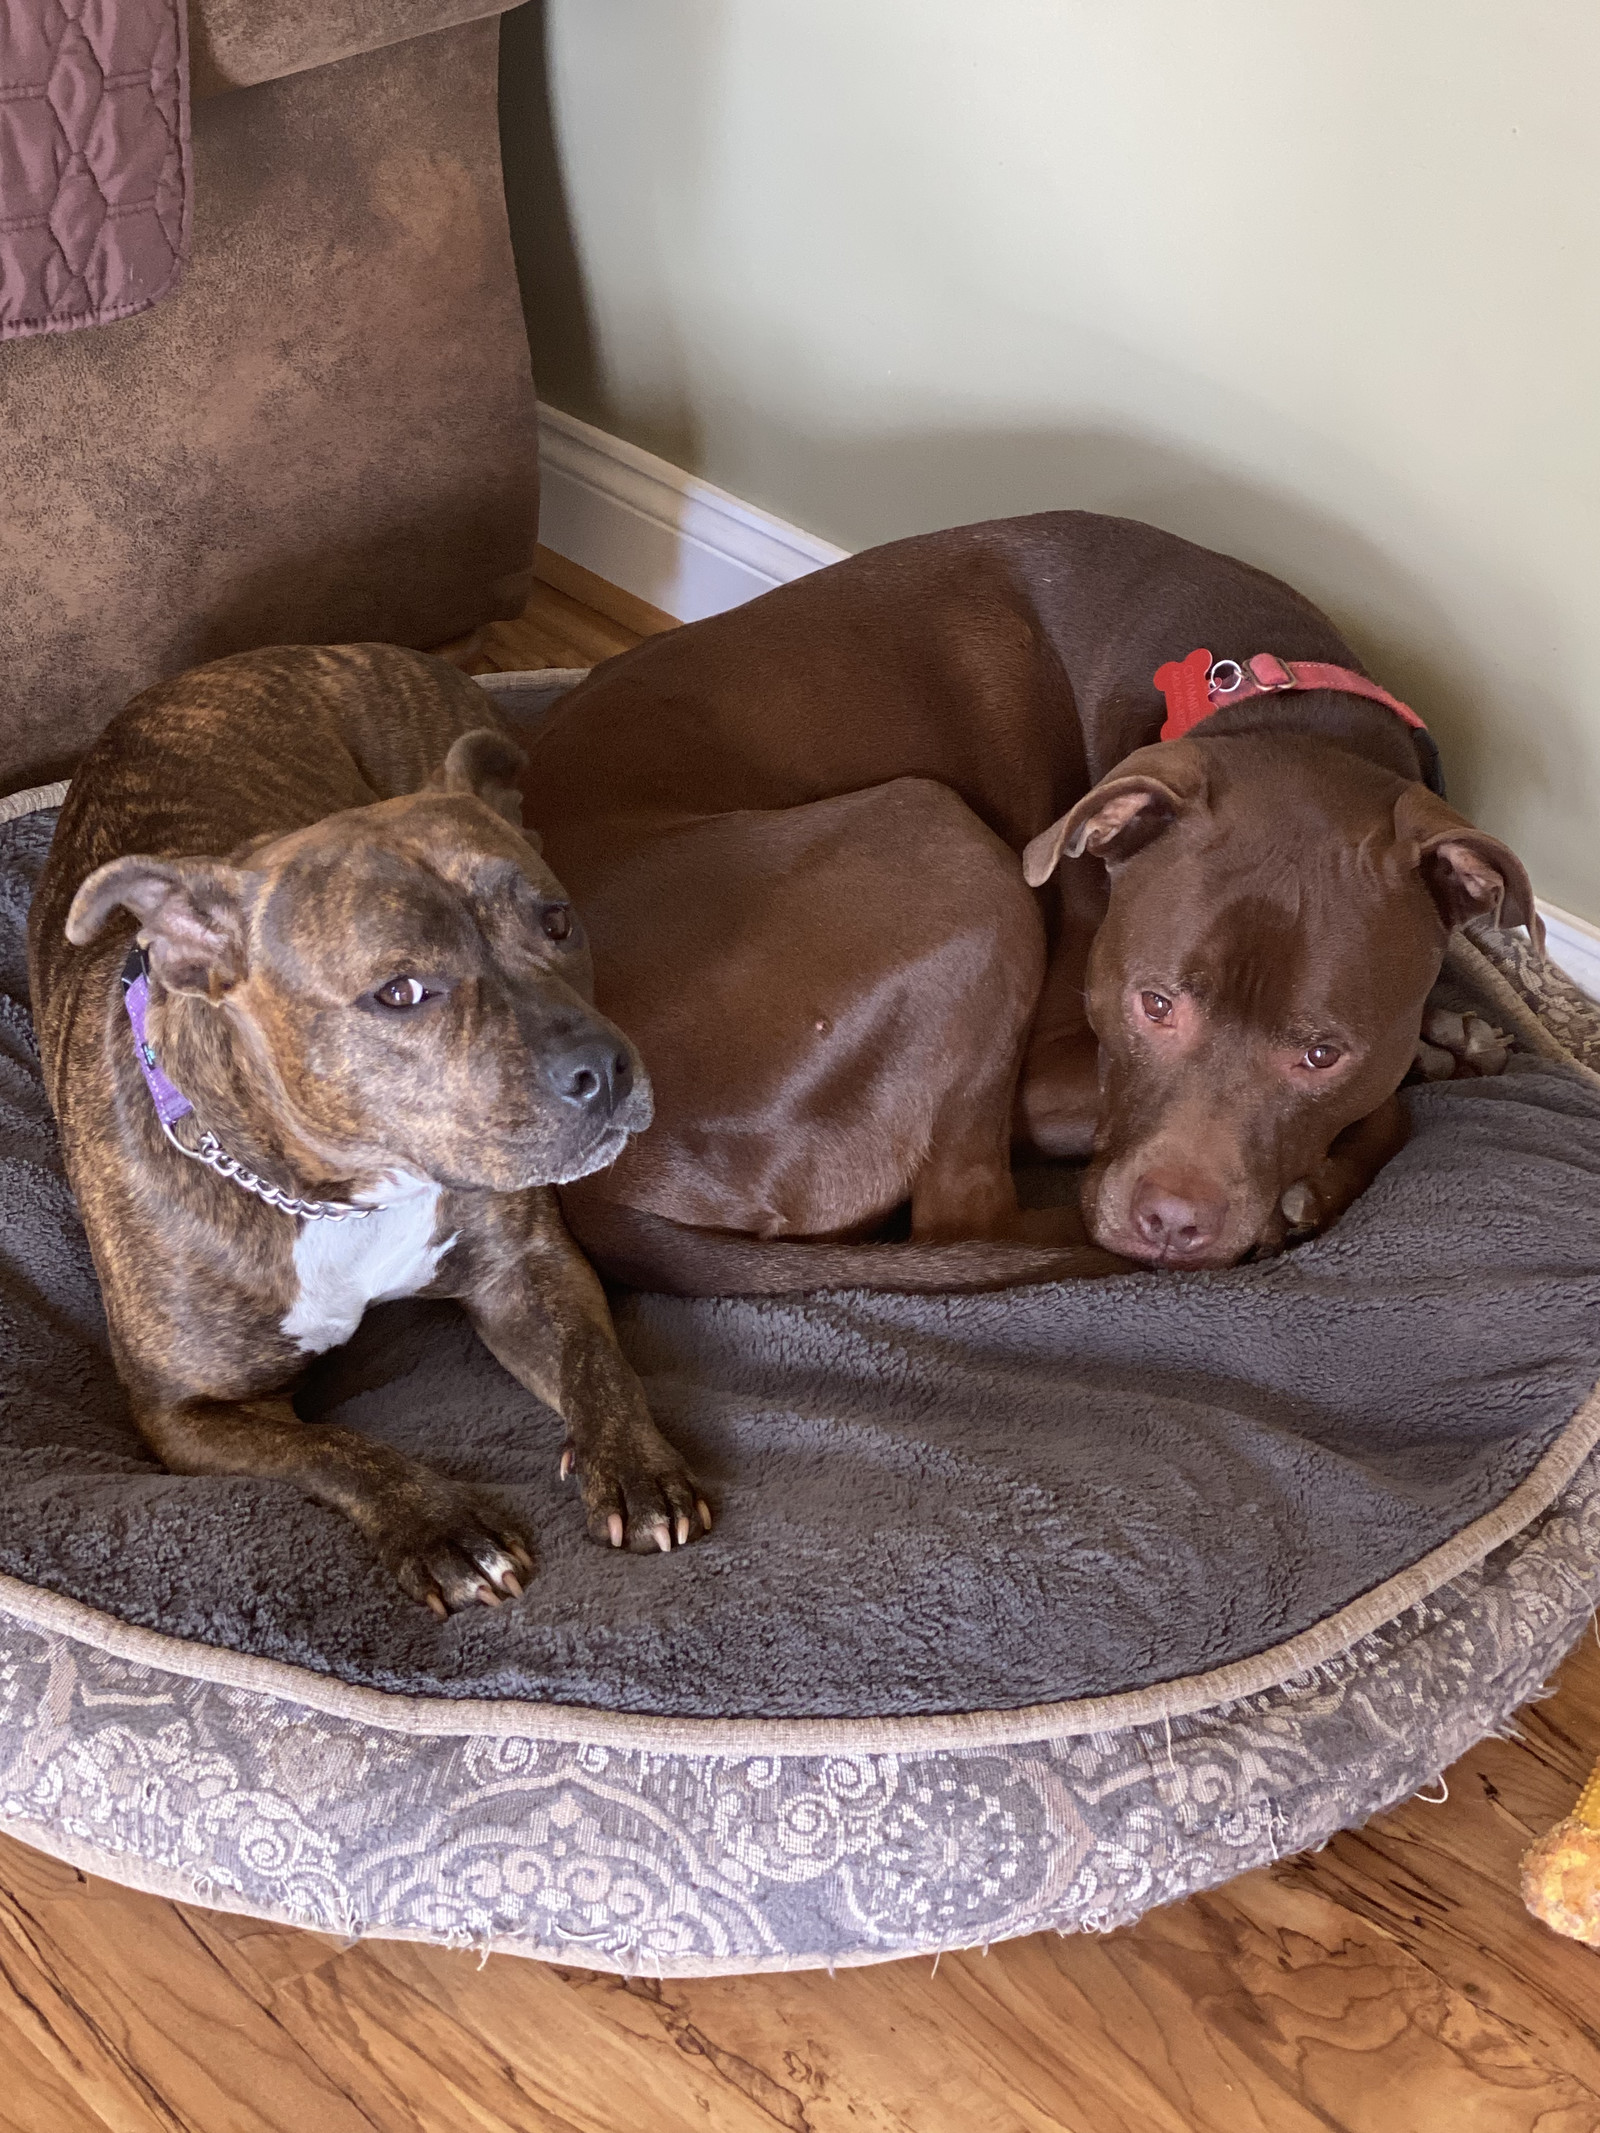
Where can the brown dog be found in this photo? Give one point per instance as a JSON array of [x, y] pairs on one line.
[[365, 1007], [795, 830]]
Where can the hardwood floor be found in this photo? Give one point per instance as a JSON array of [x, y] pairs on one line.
[[554, 630], [1389, 1984]]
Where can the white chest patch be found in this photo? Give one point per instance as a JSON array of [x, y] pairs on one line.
[[344, 1266]]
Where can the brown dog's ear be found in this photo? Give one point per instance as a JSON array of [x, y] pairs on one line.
[[190, 913], [1469, 874], [484, 763], [1124, 812]]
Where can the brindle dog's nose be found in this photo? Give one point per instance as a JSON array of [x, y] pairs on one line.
[[593, 1076], [1174, 1220]]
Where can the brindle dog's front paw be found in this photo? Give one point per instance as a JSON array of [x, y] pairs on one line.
[[450, 1549], [637, 1492]]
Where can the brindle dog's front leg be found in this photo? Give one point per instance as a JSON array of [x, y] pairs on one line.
[[445, 1543], [543, 1315]]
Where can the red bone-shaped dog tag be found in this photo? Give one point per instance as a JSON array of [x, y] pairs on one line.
[[1185, 685]]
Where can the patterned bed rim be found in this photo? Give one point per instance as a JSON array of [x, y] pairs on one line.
[[651, 1862], [575, 1725]]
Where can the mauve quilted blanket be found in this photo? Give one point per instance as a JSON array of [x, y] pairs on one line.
[[94, 160]]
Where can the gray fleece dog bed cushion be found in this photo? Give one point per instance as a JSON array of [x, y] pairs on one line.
[[925, 1504], [935, 1515]]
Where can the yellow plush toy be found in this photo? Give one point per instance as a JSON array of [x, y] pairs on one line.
[[1561, 1874]]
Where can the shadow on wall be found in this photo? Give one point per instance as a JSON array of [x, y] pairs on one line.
[[569, 356], [549, 271]]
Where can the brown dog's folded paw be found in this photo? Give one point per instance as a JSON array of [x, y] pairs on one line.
[[1297, 1216], [455, 1551], [638, 1495], [1302, 1211], [1453, 1046]]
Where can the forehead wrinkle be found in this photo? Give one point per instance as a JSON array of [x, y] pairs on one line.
[[1260, 967], [484, 866], [398, 907], [1248, 963]]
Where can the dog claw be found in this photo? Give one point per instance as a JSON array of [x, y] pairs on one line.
[[453, 1551], [614, 1528], [705, 1513], [683, 1532], [568, 1456], [663, 1536]]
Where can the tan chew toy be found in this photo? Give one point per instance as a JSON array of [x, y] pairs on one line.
[[1561, 1874]]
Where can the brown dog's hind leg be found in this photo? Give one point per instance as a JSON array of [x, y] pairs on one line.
[[1058, 1090], [544, 1317], [964, 1190], [444, 1543], [1058, 1095], [963, 1187], [1057, 1107]]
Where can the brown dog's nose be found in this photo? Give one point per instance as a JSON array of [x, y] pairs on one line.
[[595, 1076], [1174, 1219]]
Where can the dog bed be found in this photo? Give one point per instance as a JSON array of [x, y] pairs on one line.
[[1022, 1610]]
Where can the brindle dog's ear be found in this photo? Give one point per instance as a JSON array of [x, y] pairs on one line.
[[190, 912], [1469, 874], [485, 764], [1123, 813]]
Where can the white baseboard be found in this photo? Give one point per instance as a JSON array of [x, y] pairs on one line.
[[1574, 944], [676, 542]]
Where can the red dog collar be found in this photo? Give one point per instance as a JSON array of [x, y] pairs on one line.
[[1197, 686]]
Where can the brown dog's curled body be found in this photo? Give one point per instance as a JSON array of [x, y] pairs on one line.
[[374, 994], [795, 831]]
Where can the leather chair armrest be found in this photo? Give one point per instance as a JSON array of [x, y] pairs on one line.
[[234, 43]]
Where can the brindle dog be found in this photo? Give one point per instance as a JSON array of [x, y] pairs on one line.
[[376, 998]]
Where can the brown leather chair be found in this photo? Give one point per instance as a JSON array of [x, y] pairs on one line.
[[328, 431]]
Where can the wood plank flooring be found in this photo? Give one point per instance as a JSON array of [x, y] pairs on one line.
[[1389, 1984]]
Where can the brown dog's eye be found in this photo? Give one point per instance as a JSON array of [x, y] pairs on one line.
[[556, 920], [1156, 1005], [1322, 1055], [401, 993]]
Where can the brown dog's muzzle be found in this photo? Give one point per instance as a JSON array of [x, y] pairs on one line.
[[1165, 1214], [1188, 1182], [1177, 1216]]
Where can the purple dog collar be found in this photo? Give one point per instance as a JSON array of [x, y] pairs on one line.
[[171, 1105]]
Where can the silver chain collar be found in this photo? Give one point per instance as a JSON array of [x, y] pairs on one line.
[[215, 1157], [210, 1151]]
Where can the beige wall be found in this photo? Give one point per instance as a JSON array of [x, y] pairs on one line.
[[1316, 281]]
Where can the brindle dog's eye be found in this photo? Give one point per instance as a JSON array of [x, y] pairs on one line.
[[402, 992], [1156, 1005], [556, 921], [1322, 1055]]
